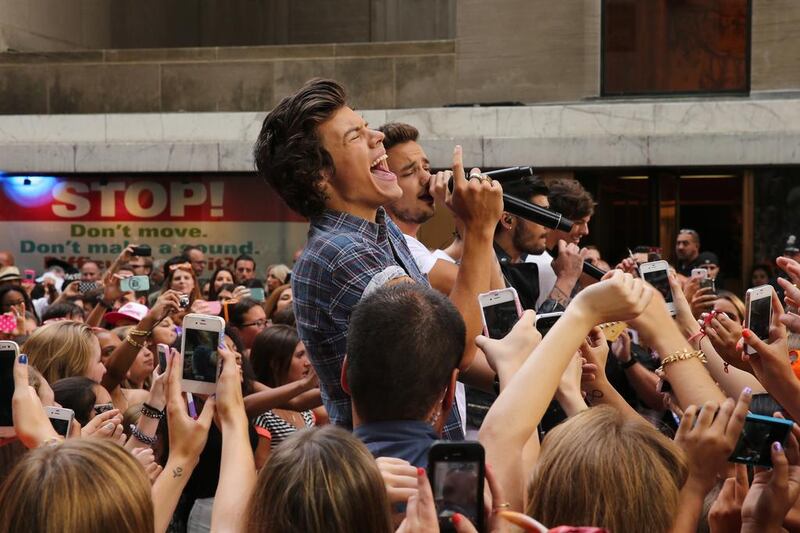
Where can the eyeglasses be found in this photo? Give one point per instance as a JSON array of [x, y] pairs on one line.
[[258, 323]]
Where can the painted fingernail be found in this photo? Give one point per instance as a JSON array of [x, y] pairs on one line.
[[746, 333], [420, 471], [456, 519], [747, 391], [777, 446], [23, 359]]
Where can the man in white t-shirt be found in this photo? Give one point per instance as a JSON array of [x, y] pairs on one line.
[[421, 191]]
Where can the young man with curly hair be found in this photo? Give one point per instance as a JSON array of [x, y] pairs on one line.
[[329, 166]]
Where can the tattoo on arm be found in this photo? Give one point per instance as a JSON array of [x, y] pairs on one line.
[[177, 472]]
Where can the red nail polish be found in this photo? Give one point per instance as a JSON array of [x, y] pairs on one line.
[[420, 471], [746, 333], [456, 519]]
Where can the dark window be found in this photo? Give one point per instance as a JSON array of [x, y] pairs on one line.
[[675, 46]]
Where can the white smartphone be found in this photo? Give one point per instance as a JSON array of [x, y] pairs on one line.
[[9, 351], [758, 312], [202, 335], [500, 310], [545, 321], [700, 273], [656, 273], [61, 418]]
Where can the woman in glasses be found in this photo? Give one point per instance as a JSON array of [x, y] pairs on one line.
[[248, 319]]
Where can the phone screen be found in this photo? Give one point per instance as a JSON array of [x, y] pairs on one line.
[[6, 386], [543, 324], [500, 318], [162, 358], [760, 310], [257, 294], [61, 426], [200, 355], [659, 280], [757, 436], [455, 490]]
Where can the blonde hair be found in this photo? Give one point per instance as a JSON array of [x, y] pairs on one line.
[[280, 271], [80, 486], [61, 349], [320, 480], [600, 469]]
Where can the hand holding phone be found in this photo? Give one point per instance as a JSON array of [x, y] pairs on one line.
[[758, 313], [500, 310], [9, 351], [61, 418], [758, 435], [656, 273], [456, 472]]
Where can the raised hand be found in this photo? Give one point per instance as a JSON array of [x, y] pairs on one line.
[[187, 437], [708, 438], [506, 355], [619, 296], [30, 421], [477, 202]]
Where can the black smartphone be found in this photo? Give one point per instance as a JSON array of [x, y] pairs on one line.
[[546, 321], [142, 250], [456, 472], [755, 442], [9, 351], [709, 283]]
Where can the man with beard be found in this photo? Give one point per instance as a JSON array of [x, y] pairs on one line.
[[519, 242], [422, 191], [559, 277]]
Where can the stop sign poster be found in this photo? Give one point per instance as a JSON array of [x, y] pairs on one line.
[[75, 218]]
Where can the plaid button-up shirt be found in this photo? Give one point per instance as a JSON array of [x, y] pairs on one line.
[[345, 256]]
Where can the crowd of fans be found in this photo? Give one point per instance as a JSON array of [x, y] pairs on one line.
[[337, 375]]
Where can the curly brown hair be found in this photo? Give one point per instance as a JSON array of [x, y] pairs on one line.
[[568, 197], [289, 153]]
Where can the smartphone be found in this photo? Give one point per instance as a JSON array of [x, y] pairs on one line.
[[142, 250], [162, 351], [9, 351], [500, 310], [202, 335], [30, 277], [135, 283], [708, 283], [656, 273], [257, 294], [86, 286], [700, 273], [758, 312], [456, 472], [545, 321], [61, 418], [757, 436]]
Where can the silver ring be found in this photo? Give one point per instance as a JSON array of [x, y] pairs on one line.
[[476, 175]]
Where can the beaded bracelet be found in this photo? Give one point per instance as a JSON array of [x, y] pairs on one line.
[[151, 412], [681, 355], [146, 439]]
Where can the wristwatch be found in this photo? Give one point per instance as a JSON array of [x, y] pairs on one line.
[[629, 363]]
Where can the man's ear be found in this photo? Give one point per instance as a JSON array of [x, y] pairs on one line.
[[508, 220], [343, 377], [449, 398]]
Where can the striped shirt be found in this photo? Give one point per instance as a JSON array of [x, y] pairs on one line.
[[279, 429]]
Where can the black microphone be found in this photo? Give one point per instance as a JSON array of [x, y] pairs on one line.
[[501, 175], [521, 208], [588, 268]]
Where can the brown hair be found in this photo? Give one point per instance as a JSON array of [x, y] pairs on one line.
[[289, 153], [320, 480], [167, 284], [599, 469], [271, 303], [735, 300], [60, 349], [398, 133], [271, 354], [568, 197], [80, 486]]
